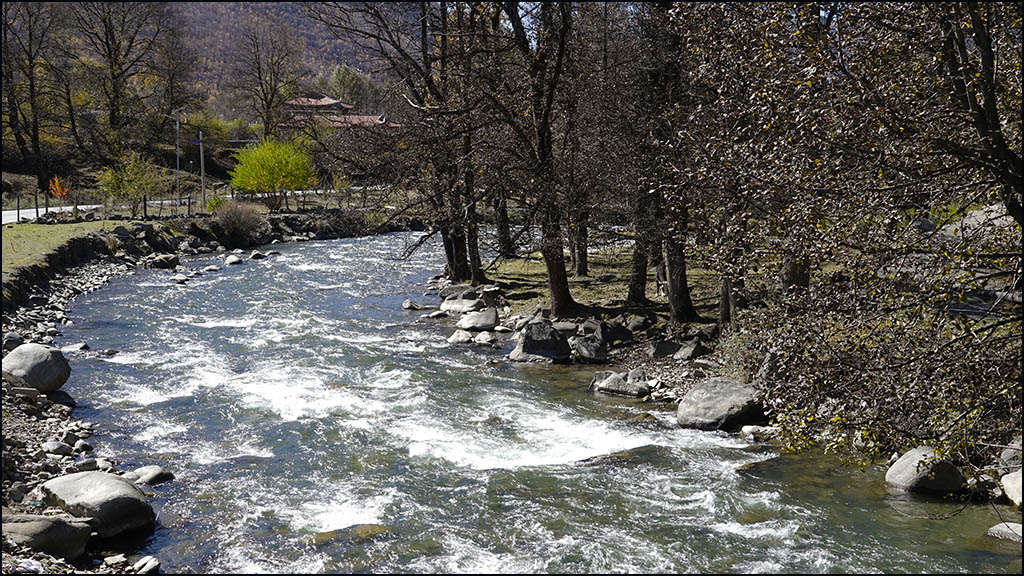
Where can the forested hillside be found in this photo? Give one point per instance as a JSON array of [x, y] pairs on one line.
[[211, 29]]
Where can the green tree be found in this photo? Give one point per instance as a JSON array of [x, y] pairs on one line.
[[270, 169], [131, 177]]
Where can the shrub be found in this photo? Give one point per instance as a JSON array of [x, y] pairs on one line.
[[271, 169], [242, 223], [215, 201], [130, 179]]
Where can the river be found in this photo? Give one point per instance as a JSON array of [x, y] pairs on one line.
[[316, 426]]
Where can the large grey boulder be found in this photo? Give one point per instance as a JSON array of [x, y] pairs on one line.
[[63, 536], [590, 349], [919, 470], [36, 366], [483, 320], [1011, 484], [461, 303], [720, 404], [116, 505], [232, 259], [613, 383], [540, 342]]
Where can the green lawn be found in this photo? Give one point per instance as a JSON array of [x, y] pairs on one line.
[[28, 244]]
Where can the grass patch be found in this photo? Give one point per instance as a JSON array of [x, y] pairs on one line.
[[28, 244], [605, 289]]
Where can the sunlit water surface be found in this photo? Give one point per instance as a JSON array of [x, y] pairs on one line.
[[316, 426]]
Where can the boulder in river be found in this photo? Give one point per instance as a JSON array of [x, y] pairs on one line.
[[409, 304], [116, 505], [460, 337], [462, 303], [720, 404], [152, 475], [614, 383], [485, 319], [164, 261], [36, 366], [486, 339], [540, 342], [1006, 531], [64, 536], [920, 470], [257, 255], [1011, 484], [232, 259]]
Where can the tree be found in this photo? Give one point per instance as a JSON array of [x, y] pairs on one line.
[[414, 40], [267, 70], [133, 63], [130, 178], [353, 87], [838, 138], [271, 169], [28, 47]]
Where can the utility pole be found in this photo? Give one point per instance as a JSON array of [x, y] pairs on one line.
[[177, 156], [202, 168]]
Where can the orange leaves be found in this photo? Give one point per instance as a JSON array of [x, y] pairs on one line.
[[57, 190]]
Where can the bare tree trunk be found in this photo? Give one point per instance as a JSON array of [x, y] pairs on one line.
[[646, 241], [562, 303], [726, 305], [679, 301], [581, 240], [506, 249]]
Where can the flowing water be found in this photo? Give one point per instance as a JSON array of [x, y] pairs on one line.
[[316, 426]]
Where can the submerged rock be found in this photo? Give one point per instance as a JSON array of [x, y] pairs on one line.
[[919, 470], [36, 366]]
